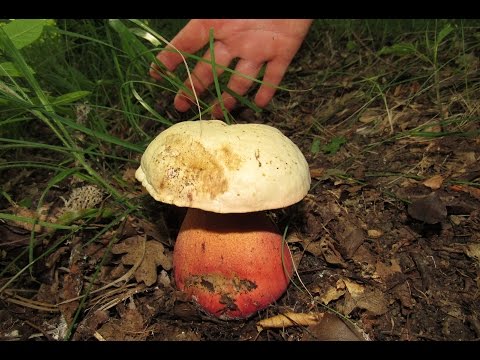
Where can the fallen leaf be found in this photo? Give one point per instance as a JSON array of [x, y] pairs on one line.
[[41, 215], [331, 328], [466, 158], [289, 319], [370, 115], [473, 251], [353, 288], [374, 234], [88, 326], [349, 237], [333, 293], [72, 285], [12, 237], [314, 248], [434, 183], [317, 172], [402, 292], [468, 189], [329, 252], [129, 175], [154, 256], [360, 297], [129, 327], [429, 209], [384, 271], [364, 255]]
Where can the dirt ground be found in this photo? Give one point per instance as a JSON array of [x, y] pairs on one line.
[[387, 242]]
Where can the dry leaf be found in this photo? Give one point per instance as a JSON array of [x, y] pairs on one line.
[[374, 234], [370, 115], [434, 183], [72, 285], [403, 293], [384, 272], [473, 251], [331, 328], [358, 296], [334, 293], [429, 209], [153, 257], [364, 256], [326, 248], [468, 189], [314, 248], [129, 327], [353, 288], [129, 175], [349, 237], [41, 215], [89, 325], [289, 319], [317, 172]]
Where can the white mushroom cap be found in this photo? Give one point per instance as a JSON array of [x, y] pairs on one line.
[[222, 168]]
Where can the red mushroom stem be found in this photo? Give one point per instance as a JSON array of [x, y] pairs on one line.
[[232, 265]]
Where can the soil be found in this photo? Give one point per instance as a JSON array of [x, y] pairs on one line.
[[387, 242]]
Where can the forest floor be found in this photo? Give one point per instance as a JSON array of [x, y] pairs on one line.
[[387, 242]]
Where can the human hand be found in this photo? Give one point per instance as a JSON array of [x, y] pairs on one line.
[[253, 42]]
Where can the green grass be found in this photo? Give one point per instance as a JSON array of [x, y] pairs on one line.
[[77, 104]]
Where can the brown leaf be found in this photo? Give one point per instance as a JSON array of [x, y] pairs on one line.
[[374, 233], [370, 115], [317, 172], [359, 296], [473, 251], [429, 209], [331, 328], [314, 248], [326, 248], [402, 292], [434, 183], [349, 237], [333, 293], [468, 189], [87, 327], [129, 175], [289, 319], [384, 272], [129, 327], [12, 236], [72, 286], [154, 256], [41, 215], [330, 253]]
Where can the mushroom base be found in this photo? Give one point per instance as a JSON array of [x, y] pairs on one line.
[[232, 265]]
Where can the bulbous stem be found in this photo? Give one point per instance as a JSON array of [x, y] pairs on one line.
[[232, 265]]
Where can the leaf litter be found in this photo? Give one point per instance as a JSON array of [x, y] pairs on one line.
[[387, 239]]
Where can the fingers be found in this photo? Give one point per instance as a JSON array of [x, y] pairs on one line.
[[202, 76], [239, 84], [273, 76], [190, 39]]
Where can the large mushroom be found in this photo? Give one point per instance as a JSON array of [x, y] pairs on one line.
[[229, 256]]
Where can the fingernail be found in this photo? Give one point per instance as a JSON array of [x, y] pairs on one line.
[[182, 103]]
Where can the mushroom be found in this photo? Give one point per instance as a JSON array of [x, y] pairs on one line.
[[229, 257]]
